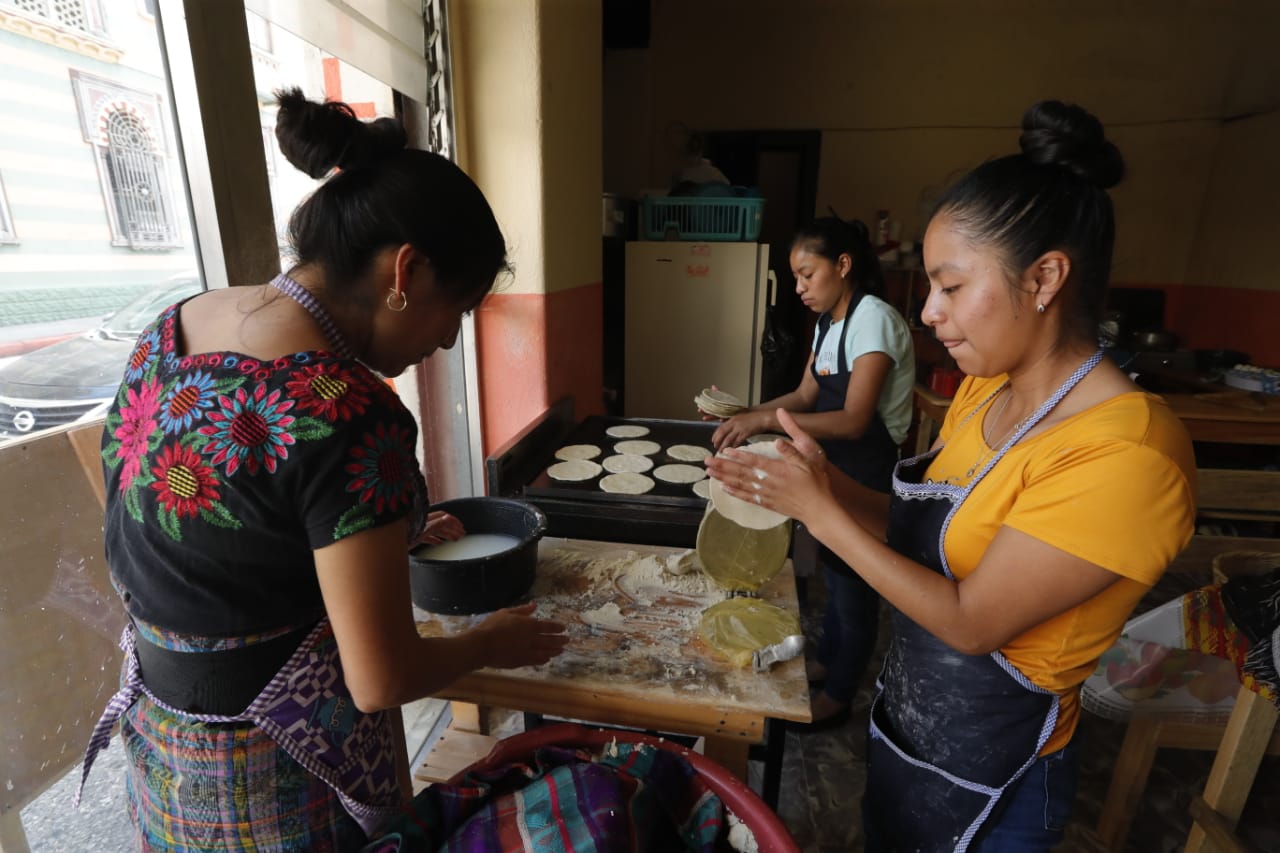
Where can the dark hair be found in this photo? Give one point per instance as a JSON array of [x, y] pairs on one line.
[[831, 237], [1051, 196], [383, 195]]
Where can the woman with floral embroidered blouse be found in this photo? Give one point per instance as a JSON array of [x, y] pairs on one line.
[[262, 488]]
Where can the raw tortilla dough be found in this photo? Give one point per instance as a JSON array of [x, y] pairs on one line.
[[573, 470], [627, 483], [627, 463], [741, 512], [702, 489], [640, 448], [688, 452], [769, 437], [578, 451], [626, 431], [679, 473]]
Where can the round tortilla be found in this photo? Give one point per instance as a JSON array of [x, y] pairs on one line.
[[627, 463], [702, 489], [626, 484], [679, 473], [639, 448], [578, 451], [764, 437], [744, 513], [626, 431], [688, 452], [573, 470]]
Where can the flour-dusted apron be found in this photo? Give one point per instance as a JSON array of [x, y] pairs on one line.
[[307, 710], [950, 733]]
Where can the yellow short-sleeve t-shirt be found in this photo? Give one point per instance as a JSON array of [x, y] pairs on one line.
[[1114, 485]]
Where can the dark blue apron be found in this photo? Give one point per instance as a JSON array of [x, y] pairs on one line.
[[870, 458], [950, 733]]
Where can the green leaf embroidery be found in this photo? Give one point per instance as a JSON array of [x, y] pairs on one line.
[[226, 386], [169, 524], [109, 455], [220, 516], [133, 504], [310, 429], [353, 521]]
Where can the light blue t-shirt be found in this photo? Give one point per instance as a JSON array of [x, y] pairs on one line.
[[876, 327]]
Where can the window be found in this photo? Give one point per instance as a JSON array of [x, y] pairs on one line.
[[7, 232], [80, 15], [125, 128]]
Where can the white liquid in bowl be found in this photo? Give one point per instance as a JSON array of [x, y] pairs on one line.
[[469, 547]]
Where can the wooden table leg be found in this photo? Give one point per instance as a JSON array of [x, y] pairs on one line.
[[730, 753], [469, 718], [1244, 742], [1128, 780]]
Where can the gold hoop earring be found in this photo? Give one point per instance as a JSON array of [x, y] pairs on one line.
[[1040, 308], [396, 300]]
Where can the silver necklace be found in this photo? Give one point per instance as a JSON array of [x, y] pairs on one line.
[[991, 447], [302, 296]]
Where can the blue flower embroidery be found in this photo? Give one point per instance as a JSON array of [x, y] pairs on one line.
[[144, 356], [186, 402]]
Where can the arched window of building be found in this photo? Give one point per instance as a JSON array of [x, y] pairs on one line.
[[135, 176]]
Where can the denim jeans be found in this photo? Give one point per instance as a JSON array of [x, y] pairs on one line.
[[1035, 811], [849, 629], [1032, 816]]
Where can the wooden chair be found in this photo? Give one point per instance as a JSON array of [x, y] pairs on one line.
[[59, 618], [1242, 740]]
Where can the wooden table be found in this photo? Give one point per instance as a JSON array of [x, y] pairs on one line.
[[1226, 415], [635, 658]]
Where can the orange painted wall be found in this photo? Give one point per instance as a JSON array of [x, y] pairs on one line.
[[533, 349], [1235, 318]]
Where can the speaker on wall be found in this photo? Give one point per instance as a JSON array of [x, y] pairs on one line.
[[626, 24]]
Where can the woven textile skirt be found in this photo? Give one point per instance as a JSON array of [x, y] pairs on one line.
[[196, 787]]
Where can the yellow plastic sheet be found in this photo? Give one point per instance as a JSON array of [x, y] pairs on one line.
[[740, 558], [737, 627]]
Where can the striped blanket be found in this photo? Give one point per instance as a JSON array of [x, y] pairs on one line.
[[631, 797]]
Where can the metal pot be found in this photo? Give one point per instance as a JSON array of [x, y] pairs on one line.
[[1154, 339], [481, 584]]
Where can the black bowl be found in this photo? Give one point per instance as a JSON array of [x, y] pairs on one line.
[[481, 584]]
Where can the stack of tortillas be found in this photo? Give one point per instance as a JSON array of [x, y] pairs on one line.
[[718, 403]]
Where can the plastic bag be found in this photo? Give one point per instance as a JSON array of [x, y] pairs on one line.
[[1149, 669]]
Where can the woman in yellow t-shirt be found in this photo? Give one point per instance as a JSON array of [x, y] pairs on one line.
[[1013, 551]]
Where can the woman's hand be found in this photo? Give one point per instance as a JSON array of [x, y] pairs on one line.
[[796, 485], [441, 527], [737, 429], [513, 637]]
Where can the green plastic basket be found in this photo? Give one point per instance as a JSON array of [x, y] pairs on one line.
[[709, 219]]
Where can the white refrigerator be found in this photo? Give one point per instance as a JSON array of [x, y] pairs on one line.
[[694, 317]]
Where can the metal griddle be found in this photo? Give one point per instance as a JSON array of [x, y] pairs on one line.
[[669, 514]]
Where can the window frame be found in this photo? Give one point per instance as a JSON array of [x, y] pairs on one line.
[[8, 230]]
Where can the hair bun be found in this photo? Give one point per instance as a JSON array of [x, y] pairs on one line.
[[1058, 134], [317, 137]]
